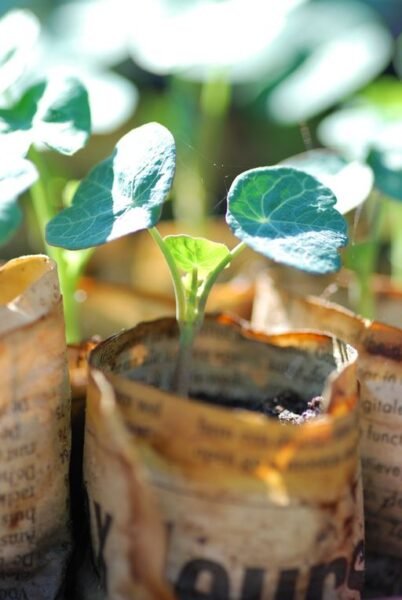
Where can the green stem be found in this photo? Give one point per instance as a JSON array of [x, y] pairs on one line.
[[68, 274], [395, 213], [68, 285], [41, 203], [174, 272], [182, 373]]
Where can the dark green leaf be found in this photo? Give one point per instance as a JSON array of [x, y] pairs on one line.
[[55, 113], [16, 175], [122, 194], [197, 253], [288, 216]]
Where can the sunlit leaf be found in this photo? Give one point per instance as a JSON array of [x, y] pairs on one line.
[[288, 216], [196, 253], [55, 113], [122, 194], [16, 175], [351, 182], [19, 31], [387, 167], [105, 89], [345, 46]]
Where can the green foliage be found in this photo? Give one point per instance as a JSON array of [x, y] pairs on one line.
[[55, 113], [122, 194], [288, 216], [194, 253]]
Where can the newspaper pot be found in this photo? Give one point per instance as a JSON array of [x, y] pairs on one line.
[[193, 500], [34, 431], [379, 372]]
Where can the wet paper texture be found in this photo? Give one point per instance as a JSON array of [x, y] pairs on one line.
[[34, 432], [191, 500], [379, 372]]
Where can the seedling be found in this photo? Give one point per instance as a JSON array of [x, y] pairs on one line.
[[52, 113], [283, 213]]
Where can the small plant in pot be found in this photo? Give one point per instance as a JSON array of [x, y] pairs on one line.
[[176, 485]]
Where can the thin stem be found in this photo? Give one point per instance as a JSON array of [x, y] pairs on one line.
[[41, 203], [395, 221], [174, 272], [68, 285], [68, 273], [182, 373]]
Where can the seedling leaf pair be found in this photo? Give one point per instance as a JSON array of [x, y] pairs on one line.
[[280, 212]]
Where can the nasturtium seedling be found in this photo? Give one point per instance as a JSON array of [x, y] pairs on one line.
[[280, 212]]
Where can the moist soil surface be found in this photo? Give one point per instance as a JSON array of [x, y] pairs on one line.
[[287, 406]]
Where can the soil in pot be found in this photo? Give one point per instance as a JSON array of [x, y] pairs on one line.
[[287, 406]]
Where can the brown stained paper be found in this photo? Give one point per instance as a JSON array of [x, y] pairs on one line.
[[34, 432], [379, 371], [188, 499]]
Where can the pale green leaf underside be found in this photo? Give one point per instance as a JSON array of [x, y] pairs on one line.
[[122, 194], [351, 182], [16, 175], [288, 216], [197, 253], [55, 113]]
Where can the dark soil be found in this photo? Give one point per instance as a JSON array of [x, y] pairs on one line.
[[287, 406]]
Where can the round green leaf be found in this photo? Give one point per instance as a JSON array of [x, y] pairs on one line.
[[55, 113], [122, 194], [197, 253], [387, 167], [288, 216], [351, 182], [16, 175]]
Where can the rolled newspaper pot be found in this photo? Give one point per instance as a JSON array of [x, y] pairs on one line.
[[193, 499], [34, 432], [379, 372]]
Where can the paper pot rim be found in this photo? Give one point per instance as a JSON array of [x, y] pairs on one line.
[[29, 289], [338, 407]]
